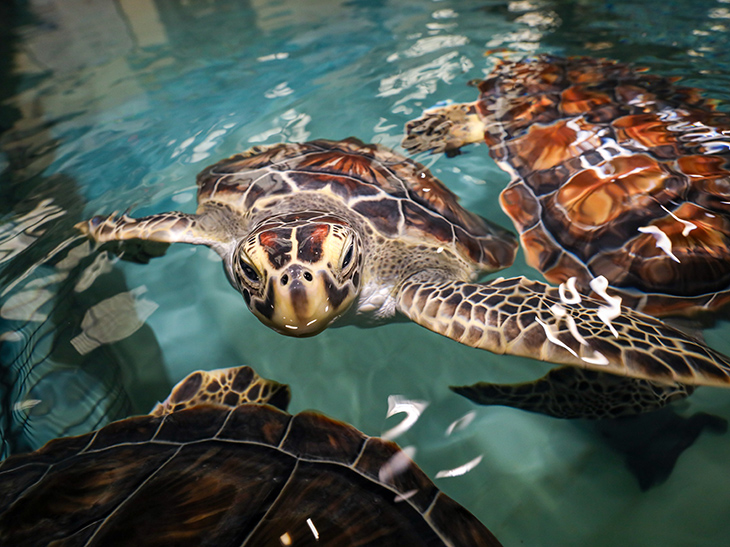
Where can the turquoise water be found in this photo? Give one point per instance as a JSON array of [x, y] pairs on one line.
[[117, 105]]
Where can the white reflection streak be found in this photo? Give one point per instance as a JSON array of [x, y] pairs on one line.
[[461, 423], [26, 305], [574, 294], [461, 470], [27, 404], [315, 533], [396, 464], [550, 333], [35, 266], [18, 234], [413, 410], [613, 310], [688, 226], [11, 336], [273, 57], [605, 313], [443, 68], [597, 359], [662, 241], [404, 497]]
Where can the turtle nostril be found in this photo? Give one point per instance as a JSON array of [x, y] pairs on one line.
[[308, 276], [284, 279]]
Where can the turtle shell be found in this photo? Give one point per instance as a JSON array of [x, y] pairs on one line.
[[617, 173], [213, 475], [393, 195]]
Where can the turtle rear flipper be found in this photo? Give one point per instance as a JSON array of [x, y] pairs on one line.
[[570, 392]]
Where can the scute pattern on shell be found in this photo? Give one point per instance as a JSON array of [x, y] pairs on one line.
[[617, 173], [220, 476], [397, 196]]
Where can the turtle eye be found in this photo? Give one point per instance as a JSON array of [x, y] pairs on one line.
[[347, 257], [249, 272], [250, 275]]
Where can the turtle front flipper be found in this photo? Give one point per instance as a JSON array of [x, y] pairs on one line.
[[527, 318], [571, 393], [226, 386], [163, 228], [444, 129]]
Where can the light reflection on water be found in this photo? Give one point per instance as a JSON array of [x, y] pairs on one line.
[[128, 105]]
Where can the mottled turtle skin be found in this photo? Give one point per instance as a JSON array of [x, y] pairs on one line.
[[327, 232], [615, 172], [209, 467]]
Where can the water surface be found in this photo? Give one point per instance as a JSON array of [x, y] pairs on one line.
[[114, 106]]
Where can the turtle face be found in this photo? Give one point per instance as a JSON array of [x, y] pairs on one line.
[[298, 275]]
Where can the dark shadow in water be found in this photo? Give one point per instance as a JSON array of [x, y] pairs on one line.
[[651, 444], [63, 368], [630, 416]]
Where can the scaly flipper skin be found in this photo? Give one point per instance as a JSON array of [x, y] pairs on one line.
[[517, 316], [225, 386], [444, 129], [173, 227], [573, 393]]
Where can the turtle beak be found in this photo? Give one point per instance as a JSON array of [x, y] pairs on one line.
[[301, 302]]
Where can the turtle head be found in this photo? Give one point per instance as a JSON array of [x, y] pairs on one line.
[[298, 273]]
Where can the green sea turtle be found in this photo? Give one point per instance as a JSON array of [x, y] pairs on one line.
[[209, 466], [615, 173], [328, 231]]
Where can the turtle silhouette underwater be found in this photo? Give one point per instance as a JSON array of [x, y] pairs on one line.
[[344, 232], [214, 465], [630, 417]]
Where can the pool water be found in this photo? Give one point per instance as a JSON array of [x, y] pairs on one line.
[[114, 106]]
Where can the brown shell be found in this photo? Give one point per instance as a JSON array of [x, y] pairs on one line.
[[212, 475], [610, 162], [395, 195]]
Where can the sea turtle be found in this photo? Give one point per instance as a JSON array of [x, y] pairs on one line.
[[615, 173], [307, 229], [209, 466]]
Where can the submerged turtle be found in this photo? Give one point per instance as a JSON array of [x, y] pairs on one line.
[[615, 173], [207, 467], [306, 230]]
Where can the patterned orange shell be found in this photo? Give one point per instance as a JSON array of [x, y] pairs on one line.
[[396, 196], [618, 173]]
